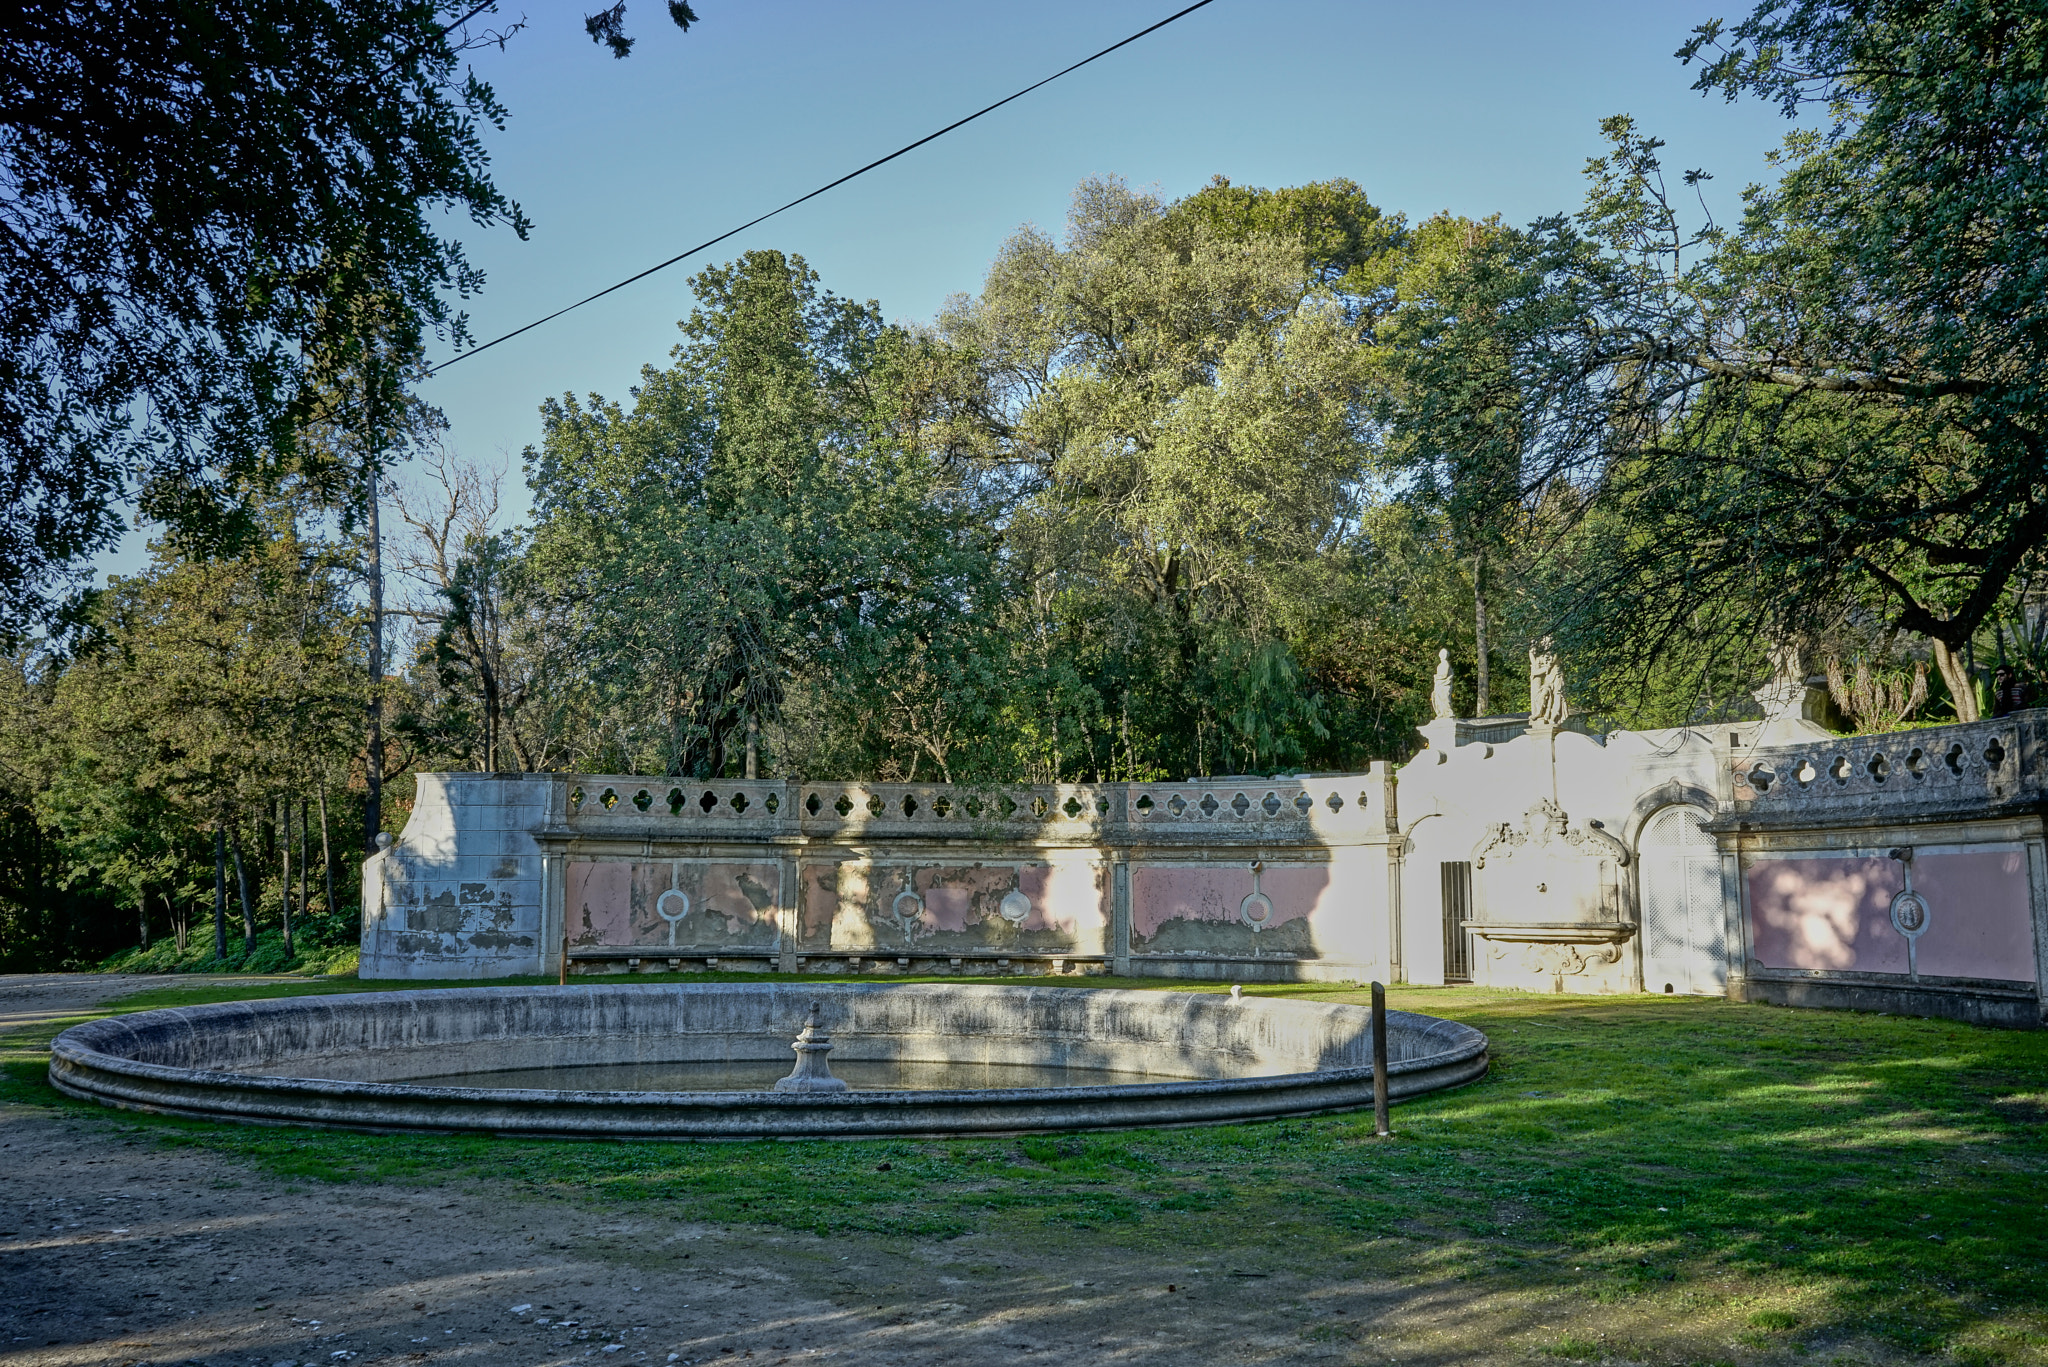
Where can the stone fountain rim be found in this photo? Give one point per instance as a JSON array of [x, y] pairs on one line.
[[80, 1069]]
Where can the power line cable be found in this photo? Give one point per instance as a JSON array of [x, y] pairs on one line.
[[883, 161]]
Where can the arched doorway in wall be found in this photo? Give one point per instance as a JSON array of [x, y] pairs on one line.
[[1685, 928]]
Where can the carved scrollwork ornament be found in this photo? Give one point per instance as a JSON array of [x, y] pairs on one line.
[[906, 909], [1563, 961], [672, 897], [1910, 913], [1543, 823], [1256, 910]]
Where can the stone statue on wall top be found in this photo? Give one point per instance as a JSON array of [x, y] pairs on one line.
[[1547, 705], [1440, 693], [1793, 708]]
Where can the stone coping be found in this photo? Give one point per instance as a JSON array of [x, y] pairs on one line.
[[1225, 1059]]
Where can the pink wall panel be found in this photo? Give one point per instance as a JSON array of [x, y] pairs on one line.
[[1979, 924], [1200, 892], [820, 904], [951, 893], [599, 898], [618, 904], [1826, 913], [952, 907], [1834, 912], [1215, 893]]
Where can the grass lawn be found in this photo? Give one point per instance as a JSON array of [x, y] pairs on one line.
[[1802, 1181]]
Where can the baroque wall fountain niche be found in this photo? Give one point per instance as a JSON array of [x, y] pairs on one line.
[[714, 1060]]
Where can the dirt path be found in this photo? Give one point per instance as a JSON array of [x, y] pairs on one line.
[[39, 998], [118, 1249], [114, 1250]]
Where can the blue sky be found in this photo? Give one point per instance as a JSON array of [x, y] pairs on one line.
[[1475, 106]]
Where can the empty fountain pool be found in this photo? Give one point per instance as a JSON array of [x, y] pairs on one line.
[[703, 1061]]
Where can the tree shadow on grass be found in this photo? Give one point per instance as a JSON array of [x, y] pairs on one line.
[[1887, 1174]]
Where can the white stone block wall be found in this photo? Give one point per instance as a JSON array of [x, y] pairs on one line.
[[459, 894]]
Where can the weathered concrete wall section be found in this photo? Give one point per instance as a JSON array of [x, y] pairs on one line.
[[1252, 909], [1539, 831], [950, 907], [459, 895], [1259, 878], [1832, 913], [1764, 859]]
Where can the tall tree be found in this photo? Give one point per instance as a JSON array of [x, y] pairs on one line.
[[1187, 398], [1451, 396], [210, 686], [761, 514], [1831, 409], [196, 196]]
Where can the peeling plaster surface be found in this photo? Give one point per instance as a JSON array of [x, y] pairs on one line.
[[459, 894], [673, 904], [958, 908], [1212, 908]]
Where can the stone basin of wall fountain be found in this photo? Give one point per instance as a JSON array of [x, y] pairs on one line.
[[384, 1060]]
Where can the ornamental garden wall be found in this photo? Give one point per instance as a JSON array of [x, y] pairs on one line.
[[1257, 879], [1771, 861]]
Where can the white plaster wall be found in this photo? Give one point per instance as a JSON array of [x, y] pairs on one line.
[[458, 894], [1451, 799]]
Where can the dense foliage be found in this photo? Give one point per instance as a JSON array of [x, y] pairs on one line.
[[204, 204], [1187, 487]]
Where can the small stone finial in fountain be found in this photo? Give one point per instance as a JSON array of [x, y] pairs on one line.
[[812, 1072]]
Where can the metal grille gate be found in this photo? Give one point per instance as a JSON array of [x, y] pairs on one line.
[[1457, 886]]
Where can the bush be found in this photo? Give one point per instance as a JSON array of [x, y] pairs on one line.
[[321, 945]]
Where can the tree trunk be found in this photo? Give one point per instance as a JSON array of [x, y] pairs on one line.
[[1962, 689], [373, 807], [177, 922], [490, 682], [242, 887], [284, 890], [753, 748], [303, 903], [326, 855], [1482, 705], [220, 894], [142, 916]]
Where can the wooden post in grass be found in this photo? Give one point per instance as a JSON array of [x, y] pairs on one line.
[[1379, 1062]]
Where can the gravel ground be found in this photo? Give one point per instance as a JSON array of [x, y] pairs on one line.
[[116, 1249]]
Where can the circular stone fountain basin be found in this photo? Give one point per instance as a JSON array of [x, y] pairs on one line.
[[385, 1060]]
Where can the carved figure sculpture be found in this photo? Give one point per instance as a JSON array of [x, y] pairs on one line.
[[1547, 705], [1788, 668], [1440, 694]]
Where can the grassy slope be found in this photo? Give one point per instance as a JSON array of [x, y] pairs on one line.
[[1821, 1176]]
